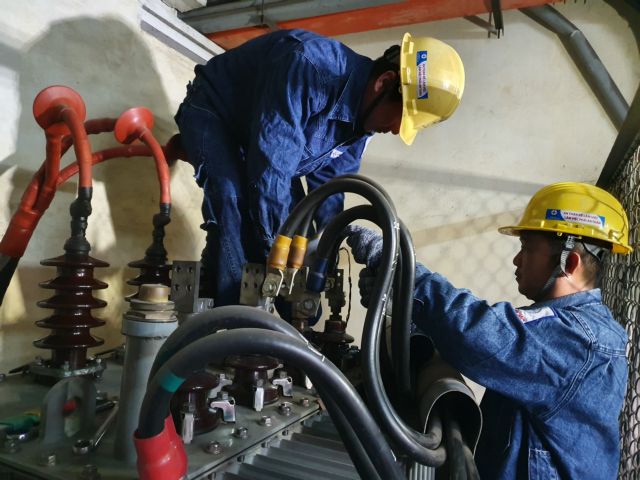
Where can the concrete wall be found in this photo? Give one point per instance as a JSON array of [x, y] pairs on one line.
[[527, 119], [98, 49]]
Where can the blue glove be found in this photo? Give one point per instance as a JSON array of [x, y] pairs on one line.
[[365, 284], [366, 245]]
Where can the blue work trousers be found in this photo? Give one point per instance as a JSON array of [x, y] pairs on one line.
[[219, 165]]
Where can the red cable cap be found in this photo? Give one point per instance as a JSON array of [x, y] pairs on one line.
[[161, 457]]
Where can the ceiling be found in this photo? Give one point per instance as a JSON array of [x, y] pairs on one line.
[[231, 23]]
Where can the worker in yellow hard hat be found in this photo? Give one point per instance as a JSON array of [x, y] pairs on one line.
[[292, 104], [555, 372]]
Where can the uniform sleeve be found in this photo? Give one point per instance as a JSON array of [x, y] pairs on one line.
[[348, 162], [494, 346], [293, 92]]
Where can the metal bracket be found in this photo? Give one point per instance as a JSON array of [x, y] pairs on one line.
[[495, 24]]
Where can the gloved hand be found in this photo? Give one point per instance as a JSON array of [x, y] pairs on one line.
[[366, 245], [365, 285]]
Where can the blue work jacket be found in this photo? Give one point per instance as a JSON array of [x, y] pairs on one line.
[[555, 373], [290, 99]]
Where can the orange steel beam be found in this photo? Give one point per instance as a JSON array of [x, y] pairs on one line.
[[373, 18]]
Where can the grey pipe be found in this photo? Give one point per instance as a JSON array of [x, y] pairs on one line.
[[148, 323], [586, 59]]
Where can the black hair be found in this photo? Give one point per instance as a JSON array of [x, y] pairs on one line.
[[390, 60]]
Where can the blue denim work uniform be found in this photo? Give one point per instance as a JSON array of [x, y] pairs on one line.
[[555, 372], [255, 120]]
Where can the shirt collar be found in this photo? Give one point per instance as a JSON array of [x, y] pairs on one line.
[[579, 298], [348, 104]]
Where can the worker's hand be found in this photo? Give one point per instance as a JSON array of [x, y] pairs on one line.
[[365, 285], [366, 245]]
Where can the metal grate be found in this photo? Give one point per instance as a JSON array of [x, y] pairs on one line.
[[621, 292]]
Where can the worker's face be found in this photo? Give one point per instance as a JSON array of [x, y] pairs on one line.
[[386, 116], [534, 263]]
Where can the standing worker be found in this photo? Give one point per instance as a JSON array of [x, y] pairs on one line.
[[556, 371], [290, 104]]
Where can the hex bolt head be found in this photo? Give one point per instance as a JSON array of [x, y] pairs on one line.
[[241, 432], [266, 421], [11, 445], [282, 374], [304, 402], [285, 409], [213, 447], [224, 395], [47, 459]]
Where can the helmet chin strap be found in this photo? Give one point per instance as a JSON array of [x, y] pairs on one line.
[[560, 270]]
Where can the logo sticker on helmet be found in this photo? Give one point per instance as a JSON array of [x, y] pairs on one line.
[[576, 217], [421, 64]]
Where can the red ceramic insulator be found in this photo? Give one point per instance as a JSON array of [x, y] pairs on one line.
[[161, 457]]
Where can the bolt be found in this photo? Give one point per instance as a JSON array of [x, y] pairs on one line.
[[66, 366], [224, 395], [269, 287], [308, 304], [285, 409], [282, 374], [47, 459], [241, 432], [304, 402], [265, 420], [260, 382], [285, 433], [213, 447], [11, 445]]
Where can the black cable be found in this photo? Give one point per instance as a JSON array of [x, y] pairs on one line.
[[305, 225], [342, 184], [205, 323], [472, 468], [402, 309], [419, 447], [155, 406], [350, 439], [456, 460], [239, 316]]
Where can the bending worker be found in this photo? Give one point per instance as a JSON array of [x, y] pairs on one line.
[[290, 104], [555, 372]]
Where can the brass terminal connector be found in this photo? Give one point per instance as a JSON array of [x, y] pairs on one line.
[[279, 253], [298, 251]]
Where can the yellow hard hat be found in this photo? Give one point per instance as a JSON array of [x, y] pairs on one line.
[[576, 209], [432, 82]]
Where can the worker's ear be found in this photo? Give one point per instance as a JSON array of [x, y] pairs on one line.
[[573, 263], [385, 81]]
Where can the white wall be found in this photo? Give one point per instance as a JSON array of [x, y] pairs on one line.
[[527, 119], [98, 49]]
